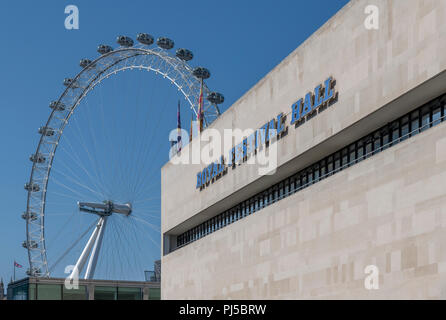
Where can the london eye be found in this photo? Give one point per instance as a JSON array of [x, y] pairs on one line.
[[93, 199]]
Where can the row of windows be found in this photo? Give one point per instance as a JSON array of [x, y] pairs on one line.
[[394, 132], [60, 292]]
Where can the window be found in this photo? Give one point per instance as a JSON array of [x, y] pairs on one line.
[[425, 118], [330, 165], [395, 132], [415, 122], [344, 158], [360, 150], [129, 294], [436, 115], [323, 169], [377, 142], [337, 161], [75, 294], [49, 292], [405, 128], [368, 146]]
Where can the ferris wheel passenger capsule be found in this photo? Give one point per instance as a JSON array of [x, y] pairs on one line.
[[46, 131], [215, 98], [85, 63], [29, 244], [103, 49], [145, 38], [29, 216], [165, 43], [37, 158], [68, 82], [124, 41], [201, 73], [184, 54], [58, 106], [32, 187]]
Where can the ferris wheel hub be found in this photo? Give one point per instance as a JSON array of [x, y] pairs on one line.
[[106, 208]]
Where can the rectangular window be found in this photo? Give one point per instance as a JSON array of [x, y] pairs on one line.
[[377, 143], [386, 138], [360, 150], [395, 132], [436, 115], [304, 180], [323, 169], [316, 173], [105, 293], [129, 293], [337, 161], [298, 182], [344, 157], [330, 165], [405, 128], [369, 146], [415, 122], [425, 118]]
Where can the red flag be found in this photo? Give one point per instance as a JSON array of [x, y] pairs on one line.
[[16, 265], [200, 109]]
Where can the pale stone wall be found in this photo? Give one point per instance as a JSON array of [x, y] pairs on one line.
[[389, 210], [371, 67], [316, 243]]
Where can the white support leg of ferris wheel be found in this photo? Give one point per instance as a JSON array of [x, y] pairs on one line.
[[96, 249], [86, 252]]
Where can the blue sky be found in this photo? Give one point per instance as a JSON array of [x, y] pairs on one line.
[[239, 41]]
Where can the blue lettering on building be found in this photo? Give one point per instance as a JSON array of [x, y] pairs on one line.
[[322, 96]]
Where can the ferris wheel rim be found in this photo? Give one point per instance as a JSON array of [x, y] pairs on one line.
[[37, 256]]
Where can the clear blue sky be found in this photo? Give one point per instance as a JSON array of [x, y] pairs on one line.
[[239, 41]]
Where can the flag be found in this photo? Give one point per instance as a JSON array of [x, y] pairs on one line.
[[179, 144], [191, 127], [200, 109], [16, 265]]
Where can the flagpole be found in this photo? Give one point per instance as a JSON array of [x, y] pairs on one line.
[[14, 270]]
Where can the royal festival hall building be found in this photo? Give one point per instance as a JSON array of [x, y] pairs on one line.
[[357, 116]]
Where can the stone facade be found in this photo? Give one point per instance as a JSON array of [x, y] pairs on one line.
[[387, 210]]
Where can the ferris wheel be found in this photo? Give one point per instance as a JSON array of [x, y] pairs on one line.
[[98, 199]]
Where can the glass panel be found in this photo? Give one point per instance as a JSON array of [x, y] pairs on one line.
[[360, 150], [425, 118], [310, 177], [337, 161], [377, 143], [404, 128], [304, 180], [323, 169], [344, 157], [154, 294], [49, 292], [129, 294], [415, 122], [395, 132], [75, 294], [32, 292], [105, 293], [436, 115], [368, 147], [316, 173], [330, 165]]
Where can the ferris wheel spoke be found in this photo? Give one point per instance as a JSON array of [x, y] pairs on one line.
[[145, 143], [74, 244], [100, 195], [78, 162], [82, 195], [93, 163]]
